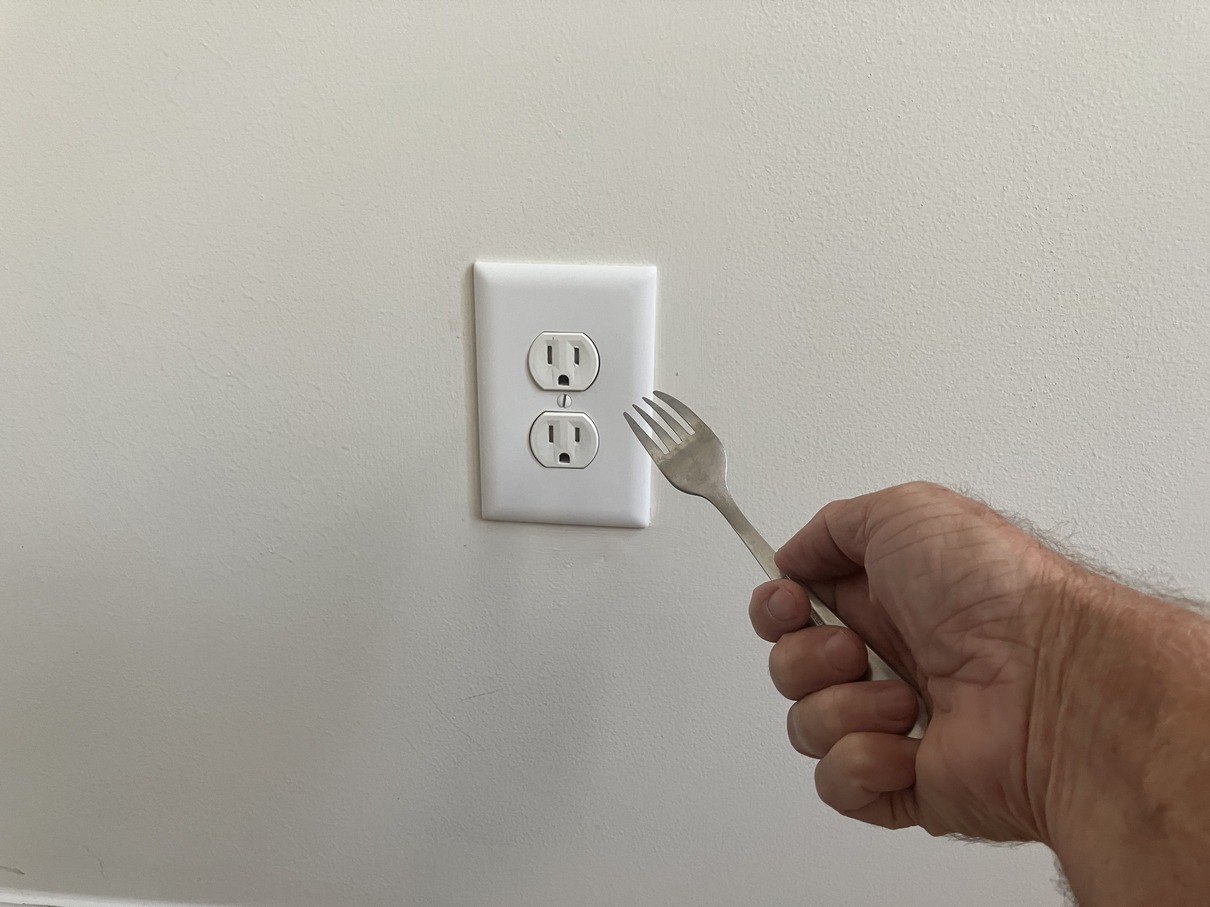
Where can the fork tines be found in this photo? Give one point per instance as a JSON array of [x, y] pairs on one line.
[[676, 431]]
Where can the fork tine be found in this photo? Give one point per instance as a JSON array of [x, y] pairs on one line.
[[653, 449], [672, 421], [690, 417], [665, 437]]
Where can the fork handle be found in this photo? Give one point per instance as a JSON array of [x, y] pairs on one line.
[[821, 614]]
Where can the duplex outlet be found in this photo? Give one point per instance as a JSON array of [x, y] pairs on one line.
[[564, 362], [553, 447], [561, 440]]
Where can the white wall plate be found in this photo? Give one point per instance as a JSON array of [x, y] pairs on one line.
[[613, 305]]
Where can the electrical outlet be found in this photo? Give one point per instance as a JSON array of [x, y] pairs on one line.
[[531, 323], [564, 362], [560, 440]]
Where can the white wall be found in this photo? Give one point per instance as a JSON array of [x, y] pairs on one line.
[[258, 649]]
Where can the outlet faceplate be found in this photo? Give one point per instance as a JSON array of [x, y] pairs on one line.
[[611, 306]]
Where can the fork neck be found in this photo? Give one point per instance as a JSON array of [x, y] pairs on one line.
[[761, 550]]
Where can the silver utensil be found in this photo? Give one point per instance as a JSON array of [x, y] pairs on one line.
[[694, 461]]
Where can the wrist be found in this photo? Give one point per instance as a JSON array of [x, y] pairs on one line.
[[1123, 742]]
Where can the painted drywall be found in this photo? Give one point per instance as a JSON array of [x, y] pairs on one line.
[[258, 648]]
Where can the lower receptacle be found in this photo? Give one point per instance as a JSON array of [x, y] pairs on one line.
[[564, 440]]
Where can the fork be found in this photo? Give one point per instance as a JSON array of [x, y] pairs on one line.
[[695, 462]]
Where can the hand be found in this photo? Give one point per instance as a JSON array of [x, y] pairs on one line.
[[1065, 707], [960, 601]]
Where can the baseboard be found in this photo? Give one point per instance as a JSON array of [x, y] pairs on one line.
[[13, 898]]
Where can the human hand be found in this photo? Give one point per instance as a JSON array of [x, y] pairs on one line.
[[957, 599], [1065, 707]]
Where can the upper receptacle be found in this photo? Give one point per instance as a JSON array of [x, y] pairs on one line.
[[564, 362]]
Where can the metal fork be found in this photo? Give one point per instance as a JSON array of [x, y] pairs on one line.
[[696, 463]]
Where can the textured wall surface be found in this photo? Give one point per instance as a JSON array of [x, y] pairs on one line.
[[257, 646]]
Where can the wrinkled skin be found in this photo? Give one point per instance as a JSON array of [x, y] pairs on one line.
[[961, 602]]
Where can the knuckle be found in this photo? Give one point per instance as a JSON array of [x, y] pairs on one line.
[[815, 724], [827, 723], [799, 668], [797, 732], [914, 492], [830, 785], [781, 667], [785, 666], [930, 825], [859, 757], [823, 785], [922, 487], [755, 606]]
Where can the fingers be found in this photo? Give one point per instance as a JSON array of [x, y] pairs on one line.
[[821, 720], [869, 777], [778, 608], [809, 660]]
